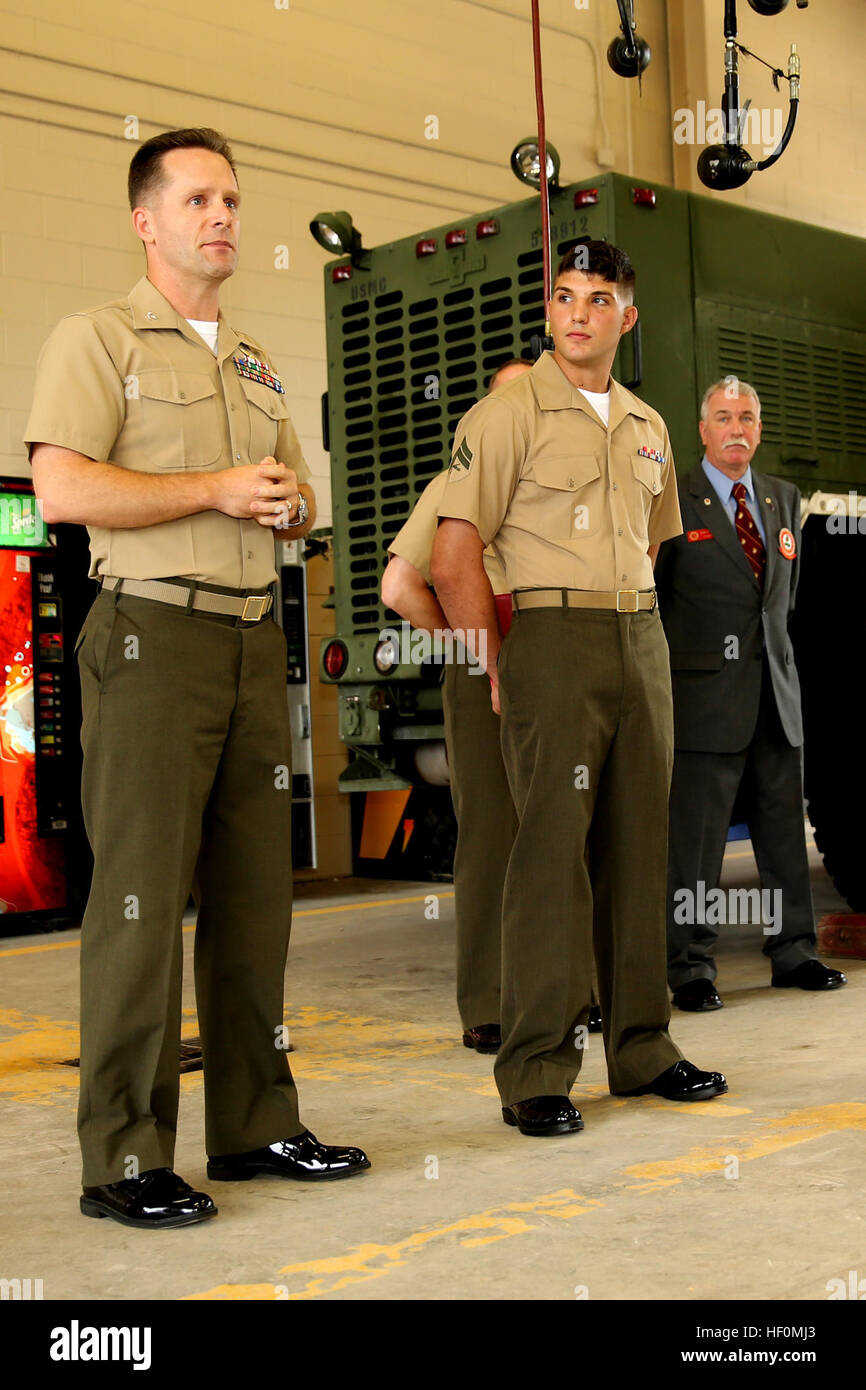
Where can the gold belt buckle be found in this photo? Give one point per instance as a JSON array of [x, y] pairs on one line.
[[620, 594], [264, 602]]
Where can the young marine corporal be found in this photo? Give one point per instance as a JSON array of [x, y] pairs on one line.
[[572, 477]]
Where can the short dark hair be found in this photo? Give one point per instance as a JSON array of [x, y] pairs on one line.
[[509, 362], [599, 258], [145, 169]]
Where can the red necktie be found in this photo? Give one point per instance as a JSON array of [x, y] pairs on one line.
[[750, 536]]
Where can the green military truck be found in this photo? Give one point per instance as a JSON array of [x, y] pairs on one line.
[[414, 330]]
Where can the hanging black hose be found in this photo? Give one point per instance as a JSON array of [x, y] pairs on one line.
[[793, 108], [627, 24], [730, 165]]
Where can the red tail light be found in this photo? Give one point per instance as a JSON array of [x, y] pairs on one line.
[[335, 660]]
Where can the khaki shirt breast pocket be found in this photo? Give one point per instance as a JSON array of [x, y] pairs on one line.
[[648, 472], [643, 479], [173, 424], [267, 409], [565, 496]]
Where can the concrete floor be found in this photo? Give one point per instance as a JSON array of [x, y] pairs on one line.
[[757, 1195]]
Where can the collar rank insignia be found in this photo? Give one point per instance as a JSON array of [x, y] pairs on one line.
[[655, 454], [254, 370]]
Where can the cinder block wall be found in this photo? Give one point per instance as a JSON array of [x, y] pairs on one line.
[[327, 106], [821, 177], [332, 106]]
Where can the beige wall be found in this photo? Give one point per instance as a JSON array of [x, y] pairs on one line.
[[821, 177], [326, 105]]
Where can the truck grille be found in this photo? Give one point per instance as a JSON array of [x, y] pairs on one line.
[[410, 369], [811, 392]]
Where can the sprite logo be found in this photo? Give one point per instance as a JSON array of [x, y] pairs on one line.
[[21, 521]]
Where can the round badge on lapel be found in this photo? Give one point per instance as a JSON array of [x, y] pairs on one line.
[[787, 544]]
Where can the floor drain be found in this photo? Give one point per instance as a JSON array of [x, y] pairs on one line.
[[190, 1056]]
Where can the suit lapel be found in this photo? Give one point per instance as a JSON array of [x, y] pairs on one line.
[[716, 520], [772, 525]]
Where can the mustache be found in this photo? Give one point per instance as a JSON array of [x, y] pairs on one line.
[[737, 444]]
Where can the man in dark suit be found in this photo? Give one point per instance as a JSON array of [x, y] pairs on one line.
[[726, 591]]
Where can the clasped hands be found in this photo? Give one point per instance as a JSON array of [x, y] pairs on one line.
[[267, 492]]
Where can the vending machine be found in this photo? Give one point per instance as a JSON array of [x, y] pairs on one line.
[[291, 614], [44, 868]]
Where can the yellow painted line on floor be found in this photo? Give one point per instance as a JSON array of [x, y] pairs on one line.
[[31, 1060], [373, 1261], [361, 906], [334, 1045], [32, 950], [801, 1126], [362, 1263], [379, 902]]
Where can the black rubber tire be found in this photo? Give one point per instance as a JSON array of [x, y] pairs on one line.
[[838, 831], [827, 631]]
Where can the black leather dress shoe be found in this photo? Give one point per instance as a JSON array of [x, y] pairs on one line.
[[697, 997], [302, 1157], [487, 1037], [683, 1081], [593, 1023], [543, 1115], [158, 1198], [812, 974]]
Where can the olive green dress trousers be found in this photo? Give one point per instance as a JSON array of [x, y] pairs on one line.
[[186, 786], [587, 738], [486, 825]]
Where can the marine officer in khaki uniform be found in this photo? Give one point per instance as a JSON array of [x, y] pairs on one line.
[[168, 434], [486, 822], [571, 478]]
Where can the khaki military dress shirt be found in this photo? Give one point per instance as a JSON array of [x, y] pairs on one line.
[[133, 384], [414, 541], [569, 503]]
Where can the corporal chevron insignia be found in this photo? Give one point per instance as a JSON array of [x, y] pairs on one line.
[[462, 460]]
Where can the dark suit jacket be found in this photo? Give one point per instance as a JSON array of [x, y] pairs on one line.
[[707, 596]]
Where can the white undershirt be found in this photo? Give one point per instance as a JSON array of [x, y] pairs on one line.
[[206, 330], [600, 402]]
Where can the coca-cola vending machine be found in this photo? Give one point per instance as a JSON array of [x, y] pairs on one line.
[[43, 853]]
